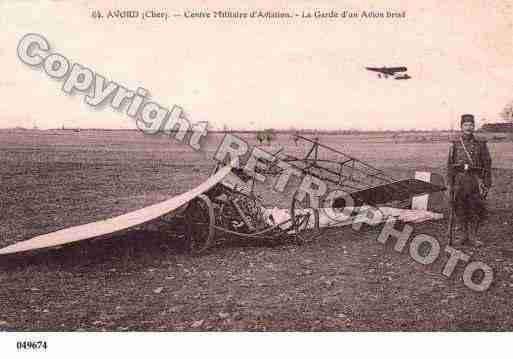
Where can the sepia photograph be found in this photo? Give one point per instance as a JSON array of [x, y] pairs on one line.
[[302, 170]]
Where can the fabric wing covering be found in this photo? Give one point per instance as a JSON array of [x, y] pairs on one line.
[[115, 224]]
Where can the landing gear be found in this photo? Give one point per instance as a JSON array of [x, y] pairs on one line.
[[199, 224]]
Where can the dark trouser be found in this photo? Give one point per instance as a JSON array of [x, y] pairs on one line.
[[469, 207]]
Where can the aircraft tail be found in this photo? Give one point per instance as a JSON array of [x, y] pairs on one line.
[[432, 201]]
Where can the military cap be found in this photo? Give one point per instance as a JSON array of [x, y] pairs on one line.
[[467, 118]]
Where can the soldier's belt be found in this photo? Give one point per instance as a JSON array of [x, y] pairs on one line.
[[464, 167]]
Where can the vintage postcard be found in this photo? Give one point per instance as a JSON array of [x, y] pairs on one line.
[[258, 166]]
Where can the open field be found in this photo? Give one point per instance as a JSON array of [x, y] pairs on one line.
[[144, 280]]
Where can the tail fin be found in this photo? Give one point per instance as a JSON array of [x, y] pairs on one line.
[[433, 201]]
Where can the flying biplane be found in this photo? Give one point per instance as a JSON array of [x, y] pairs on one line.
[[390, 71], [226, 204]]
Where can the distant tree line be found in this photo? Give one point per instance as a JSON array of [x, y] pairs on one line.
[[498, 127]]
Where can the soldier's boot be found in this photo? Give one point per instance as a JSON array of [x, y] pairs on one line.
[[466, 234], [462, 233], [473, 231]]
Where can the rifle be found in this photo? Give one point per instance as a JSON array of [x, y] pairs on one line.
[[450, 229]]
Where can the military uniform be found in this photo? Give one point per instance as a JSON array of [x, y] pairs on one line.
[[469, 163]]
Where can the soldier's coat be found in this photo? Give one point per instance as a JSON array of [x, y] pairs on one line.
[[469, 161]]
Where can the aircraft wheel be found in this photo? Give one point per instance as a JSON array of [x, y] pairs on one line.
[[199, 224]]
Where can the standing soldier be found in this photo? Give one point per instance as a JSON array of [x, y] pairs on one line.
[[469, 164]]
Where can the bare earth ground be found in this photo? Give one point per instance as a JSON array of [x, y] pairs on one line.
[[144, 279]]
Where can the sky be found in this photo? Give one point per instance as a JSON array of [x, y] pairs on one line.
[[273, 73]]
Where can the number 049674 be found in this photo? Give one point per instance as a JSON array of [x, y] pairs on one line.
[[31, 345]]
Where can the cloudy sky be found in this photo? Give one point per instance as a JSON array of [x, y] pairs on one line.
[[267, 73]]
